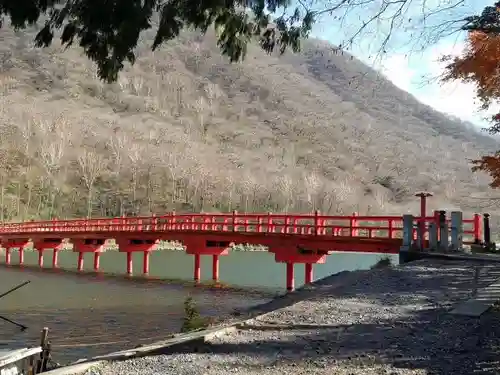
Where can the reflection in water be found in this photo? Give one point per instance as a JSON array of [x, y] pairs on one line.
[[91, 315]]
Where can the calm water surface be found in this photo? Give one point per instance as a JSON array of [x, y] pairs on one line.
[[90, 315]]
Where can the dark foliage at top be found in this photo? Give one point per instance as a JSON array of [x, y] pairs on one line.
[[109, 31]]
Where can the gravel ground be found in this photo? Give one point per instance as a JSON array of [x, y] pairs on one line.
[[389, 321]]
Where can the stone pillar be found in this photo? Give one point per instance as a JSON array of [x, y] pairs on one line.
[[443, 232], [407, 238], [457, 231], [433, 237]]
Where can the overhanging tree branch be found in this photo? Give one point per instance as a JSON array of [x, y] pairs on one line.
[[108, 31]]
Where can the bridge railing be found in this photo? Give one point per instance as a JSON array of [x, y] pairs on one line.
[[389, 227]]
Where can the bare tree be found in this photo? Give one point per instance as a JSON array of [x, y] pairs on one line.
[[53, 145], [381, 195], [91, 167], [285, 187], [312, 184], [135, 154], [202, 108]]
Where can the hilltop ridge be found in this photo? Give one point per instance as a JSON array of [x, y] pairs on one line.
[[184, 129]]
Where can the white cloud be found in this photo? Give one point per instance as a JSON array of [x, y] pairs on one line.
[[419, 75]]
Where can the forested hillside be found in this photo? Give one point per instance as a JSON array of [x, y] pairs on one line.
[[185, 130]]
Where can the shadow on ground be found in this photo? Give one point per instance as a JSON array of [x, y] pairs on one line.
[[426, 337]]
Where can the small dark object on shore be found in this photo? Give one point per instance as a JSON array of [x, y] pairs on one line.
[[383, 262]]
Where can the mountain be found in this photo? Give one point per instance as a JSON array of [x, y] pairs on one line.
[[183, 129]]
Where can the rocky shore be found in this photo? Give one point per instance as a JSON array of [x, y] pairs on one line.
[[385, 321]]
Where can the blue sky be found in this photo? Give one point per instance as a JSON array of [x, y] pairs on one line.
[[411, 58]]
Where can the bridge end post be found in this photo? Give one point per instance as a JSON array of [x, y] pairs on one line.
[[477, 229], [457, 230], [405, 248]]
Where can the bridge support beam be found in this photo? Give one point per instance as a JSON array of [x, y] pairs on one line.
[[88, 245], [213, 246], [10, 244], [291, 253], [133, 245], [48, 243]]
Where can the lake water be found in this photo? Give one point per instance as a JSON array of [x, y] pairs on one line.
[[91, 314]]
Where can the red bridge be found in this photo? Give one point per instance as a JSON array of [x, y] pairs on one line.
[[305, 239]]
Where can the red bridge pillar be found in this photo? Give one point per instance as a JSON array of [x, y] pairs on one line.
[[130, 266], [145, 262], [131, 245], [215, 267], [40, 258], [7, 255], [15, 244], [197, 268], [21, 256], [79, 264], [290, 276], [48, 243], [207, 246], [55, 258], [308, 273], [88, 245], [97, 261], [291, 253]]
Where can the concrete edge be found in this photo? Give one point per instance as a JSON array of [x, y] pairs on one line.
[[74, 368], [83, 365]]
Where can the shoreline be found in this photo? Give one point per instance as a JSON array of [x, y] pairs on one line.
[[359, 322], [140, 279]]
